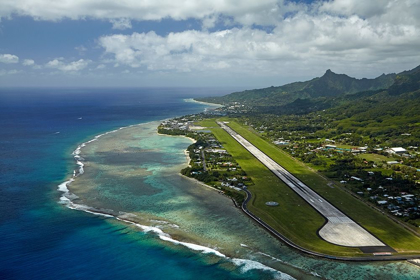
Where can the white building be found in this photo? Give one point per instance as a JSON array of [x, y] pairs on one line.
[[397, 150]]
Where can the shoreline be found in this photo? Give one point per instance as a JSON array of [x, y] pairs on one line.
[[284, 239], [67, 197], [188, 163], [203, 103], [70, 200]]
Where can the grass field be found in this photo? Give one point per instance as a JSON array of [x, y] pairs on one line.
[[294, 217], [377, 159]]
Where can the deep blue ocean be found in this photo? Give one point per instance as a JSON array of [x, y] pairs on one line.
[[41, 239]]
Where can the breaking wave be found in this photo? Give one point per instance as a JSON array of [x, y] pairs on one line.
[[67, 198]]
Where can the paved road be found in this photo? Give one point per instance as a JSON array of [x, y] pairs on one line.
[[339, 229], [414, 258], [203, 158]]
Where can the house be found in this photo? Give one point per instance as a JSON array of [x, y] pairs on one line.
[[397, 150], [356, 178], [330, 146], [218, 151], [281, 142]]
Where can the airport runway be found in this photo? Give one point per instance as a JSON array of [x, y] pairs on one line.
[[339, 229]]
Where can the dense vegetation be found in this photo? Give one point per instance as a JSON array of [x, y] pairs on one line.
[[329, 85], [334, 132], [209, 162]]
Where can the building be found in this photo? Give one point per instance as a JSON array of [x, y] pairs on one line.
[[356, 178], [397, 150], [330, 147]]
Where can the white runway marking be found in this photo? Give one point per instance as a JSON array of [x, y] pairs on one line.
[[339, 229]]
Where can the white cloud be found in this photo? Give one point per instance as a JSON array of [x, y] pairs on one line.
[[10, 72], [121, 23], [209, 21], [9, 58], [304, 42], [101, 66], [245, 10], [81, 49], [68, 67], [28, 62], [351, 36]]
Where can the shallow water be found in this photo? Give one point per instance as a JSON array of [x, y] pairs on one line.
[[43, 239], [133, 173]]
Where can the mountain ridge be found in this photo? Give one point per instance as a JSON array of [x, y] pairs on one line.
[[328, 85]]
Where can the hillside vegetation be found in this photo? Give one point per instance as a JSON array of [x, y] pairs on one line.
[[329, 85]]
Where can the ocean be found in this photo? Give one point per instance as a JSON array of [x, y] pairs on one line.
[[168, 227]]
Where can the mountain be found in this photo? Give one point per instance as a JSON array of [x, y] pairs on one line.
[[329, 85], [392, 112], [400, 97]]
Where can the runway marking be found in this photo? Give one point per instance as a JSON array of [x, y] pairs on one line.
[[339, 229]]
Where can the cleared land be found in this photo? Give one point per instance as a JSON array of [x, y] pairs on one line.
[[339, 229], [294, 218], [377, 159], [381, 226]]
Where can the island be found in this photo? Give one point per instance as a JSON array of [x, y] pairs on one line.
[[327, 183]]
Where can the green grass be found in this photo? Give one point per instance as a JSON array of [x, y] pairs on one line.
[[208, 123], [294, 218], [342, 146], [377, 159], [385, 229]]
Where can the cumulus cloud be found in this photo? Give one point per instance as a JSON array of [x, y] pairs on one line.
[[8, 58], [245, 10], [28, 62], [67, 67], [9, 72], [81, 49], [264, 37], [323, 40], [121, 23]]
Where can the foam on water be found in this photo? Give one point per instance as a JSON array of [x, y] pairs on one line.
[[67, 199], [247, 265]]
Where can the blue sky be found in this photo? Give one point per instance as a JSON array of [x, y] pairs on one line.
[[203, 43]]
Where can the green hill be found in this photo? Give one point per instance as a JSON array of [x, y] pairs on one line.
[[329, 85], [388, 112]]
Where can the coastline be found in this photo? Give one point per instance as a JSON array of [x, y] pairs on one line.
[[163, 229], [71, 200], [281, 237], [203, 103], [166, 234], [68, 197], [195, 181], [187, 156]]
